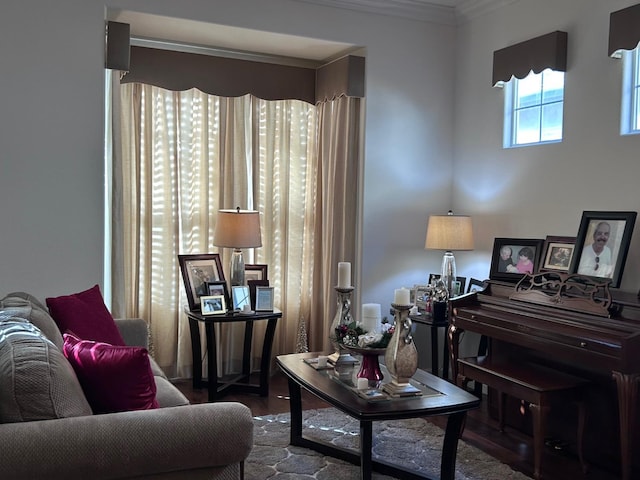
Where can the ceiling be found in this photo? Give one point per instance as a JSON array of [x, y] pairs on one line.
[[215, 39]]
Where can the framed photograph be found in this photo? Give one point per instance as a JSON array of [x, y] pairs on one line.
[[475, 285], [252, 290], [458, 284], [197, 272], [602, 244], [240, 297], [421, 295], [264, 299], [256, 271], [213, 305], [513, 257], [558, 252], [219, 288]]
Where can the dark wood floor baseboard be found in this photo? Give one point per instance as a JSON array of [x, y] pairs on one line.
[[510, 447]]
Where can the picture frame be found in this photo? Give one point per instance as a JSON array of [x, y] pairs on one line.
[[257, 271], [197, 271], [608, 264], [240, 295], [421, 295], [505, 267], [213, 305], [219, 288], [557, 254], [458, 284], [476, 285], [252, 290], [264, 299]]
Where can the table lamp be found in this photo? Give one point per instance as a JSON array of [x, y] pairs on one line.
[[449, 232], [237, 229]]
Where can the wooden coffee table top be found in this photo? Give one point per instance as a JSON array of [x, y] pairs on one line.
[[440, 398]]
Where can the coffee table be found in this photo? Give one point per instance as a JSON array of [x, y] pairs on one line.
[[440, 398]]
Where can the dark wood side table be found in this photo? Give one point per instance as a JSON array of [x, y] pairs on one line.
[[434, 325], [215, 385]]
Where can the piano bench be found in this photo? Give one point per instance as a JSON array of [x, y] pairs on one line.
[[536, 385]]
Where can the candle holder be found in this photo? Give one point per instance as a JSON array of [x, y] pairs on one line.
[[401, 356], [342, 317]]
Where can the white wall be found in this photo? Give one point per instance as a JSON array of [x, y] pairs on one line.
[[532, 192], [51, 131]]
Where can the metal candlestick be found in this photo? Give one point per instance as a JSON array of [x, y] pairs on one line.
[[342, 317], [401, 356]]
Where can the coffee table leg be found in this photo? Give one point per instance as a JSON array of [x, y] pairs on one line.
[[455, 422], [295, 405], [366, 443]]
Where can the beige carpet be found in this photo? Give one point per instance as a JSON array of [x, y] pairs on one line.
[[415, 443]]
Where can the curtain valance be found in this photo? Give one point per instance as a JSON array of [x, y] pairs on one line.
[[537, 54], [624, 29]]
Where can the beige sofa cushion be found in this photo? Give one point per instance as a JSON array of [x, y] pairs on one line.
[[36, 380]]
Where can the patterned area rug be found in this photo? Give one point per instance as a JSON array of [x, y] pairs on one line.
[[415, 443]]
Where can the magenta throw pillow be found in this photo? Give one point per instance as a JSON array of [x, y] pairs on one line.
[[86, 315], [114, 378]]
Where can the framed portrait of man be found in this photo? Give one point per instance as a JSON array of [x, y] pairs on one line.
[[602, 244]]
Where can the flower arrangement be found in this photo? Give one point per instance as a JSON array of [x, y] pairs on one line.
[[353, 335]]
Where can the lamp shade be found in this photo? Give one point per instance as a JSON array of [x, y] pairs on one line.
[[237, 229], [449, 232]]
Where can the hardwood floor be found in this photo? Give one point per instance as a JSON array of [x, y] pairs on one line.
[[481, 431]]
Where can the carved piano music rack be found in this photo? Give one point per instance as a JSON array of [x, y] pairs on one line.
[[565, 319]]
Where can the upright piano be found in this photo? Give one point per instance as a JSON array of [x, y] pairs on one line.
[[570, 323]]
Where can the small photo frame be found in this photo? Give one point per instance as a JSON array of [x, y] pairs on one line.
[[240, 296], [219, 288], [602, 245], [256, 271], [264, 299], [213, 305], [476, 285], [421, 295], [558, 253], [514, 257], [253, 284], [197, 271]]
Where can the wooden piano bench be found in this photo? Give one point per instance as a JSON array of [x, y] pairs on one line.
[[536, 385]]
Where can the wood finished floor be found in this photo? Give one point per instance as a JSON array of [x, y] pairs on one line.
[[510, 447]]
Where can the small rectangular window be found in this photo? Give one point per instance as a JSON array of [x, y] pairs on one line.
[[533, 109], [630, 111]]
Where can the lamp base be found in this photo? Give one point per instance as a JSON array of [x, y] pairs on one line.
[[448, 272], [237, 268]]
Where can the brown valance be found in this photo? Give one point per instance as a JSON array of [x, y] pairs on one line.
[[117, 46], [227, 77], [624, 29], [537, 54], [342, 77]]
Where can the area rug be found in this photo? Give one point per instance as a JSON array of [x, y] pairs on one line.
[[413, 443]]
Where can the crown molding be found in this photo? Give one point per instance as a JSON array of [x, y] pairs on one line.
[[447, 12]]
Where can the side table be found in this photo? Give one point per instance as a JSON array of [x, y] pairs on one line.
[[215, 385], [434, 325]]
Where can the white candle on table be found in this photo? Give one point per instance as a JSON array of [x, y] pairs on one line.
[[401, 296], [371, 317], [344, 274], [363, 384]]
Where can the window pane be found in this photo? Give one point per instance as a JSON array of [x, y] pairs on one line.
[[551, 122], [528, 90], [552, 86], [527, 125]]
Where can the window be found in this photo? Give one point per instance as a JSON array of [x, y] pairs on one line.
[[630, 112], [533, 109]]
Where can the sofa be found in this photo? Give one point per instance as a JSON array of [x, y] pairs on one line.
[[49, 430]]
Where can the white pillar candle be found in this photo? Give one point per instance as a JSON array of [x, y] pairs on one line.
[[344, 274], [363, 384], [401, 296], [371, 317]]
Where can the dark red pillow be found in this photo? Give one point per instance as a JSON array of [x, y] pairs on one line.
[[86, 315], [114, 378]]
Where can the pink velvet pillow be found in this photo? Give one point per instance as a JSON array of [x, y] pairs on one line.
[[114, 378], [86, 315]]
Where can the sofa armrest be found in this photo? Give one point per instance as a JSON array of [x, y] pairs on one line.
[[128, 444], [134, 331]]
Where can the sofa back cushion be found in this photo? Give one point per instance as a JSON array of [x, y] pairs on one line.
[[86, 315], [114, 378], [24, 305], [36, 380]]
